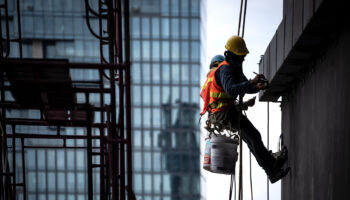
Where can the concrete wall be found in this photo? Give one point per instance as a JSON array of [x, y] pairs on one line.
[[316, 128]]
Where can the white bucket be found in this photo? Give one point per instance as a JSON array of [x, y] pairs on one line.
[[223, 154]]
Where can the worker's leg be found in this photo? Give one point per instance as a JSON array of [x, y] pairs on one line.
[[252, 137]]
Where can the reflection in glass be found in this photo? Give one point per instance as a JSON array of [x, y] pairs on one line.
[[184, 28], [147, 117], [155, 73], [195, 74], [135, 50], [165, 95]]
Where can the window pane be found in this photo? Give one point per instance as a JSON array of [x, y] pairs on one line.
[[146, 27], [146, 93], [166, 73], [155, 73], [175, 94], [136, 73], [165, 27], [148, 183], [165, 51], [147, 161], [156, 118], [175, 28], [195, 28], [135, 27], [185, 7], [155, 28], [164, 7], [185, 96], [137, 161], [185, 75], [156, 95], [157, 183], [195, 95], [137, 117], [136, 94], [195, 74], [165, 94], [138, 182], [147, 139], [137, 139], [155, 50], [135, 49], [184, 51], [195, 7], [175, 73], [146, 73], [195, 52], [184, 28], [175, 48], [147, 117], [174, 7], [146, 50]]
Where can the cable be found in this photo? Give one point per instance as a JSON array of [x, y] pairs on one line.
[[268, 139]]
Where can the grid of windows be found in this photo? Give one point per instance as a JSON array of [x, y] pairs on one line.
[[165, 51]]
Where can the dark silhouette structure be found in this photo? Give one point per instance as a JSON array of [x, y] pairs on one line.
[[307, 63]]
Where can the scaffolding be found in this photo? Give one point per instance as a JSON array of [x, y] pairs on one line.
[[45, 85]]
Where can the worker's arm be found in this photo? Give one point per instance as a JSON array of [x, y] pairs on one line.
[[225, 78]]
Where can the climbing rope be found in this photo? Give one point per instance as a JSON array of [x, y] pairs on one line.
[[268, 144], [233, 179]]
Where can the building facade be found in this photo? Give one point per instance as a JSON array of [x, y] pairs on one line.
[[166, 55], [307, 63], [166, 46]]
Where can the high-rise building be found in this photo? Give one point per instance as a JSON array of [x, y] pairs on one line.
[[166, 53]]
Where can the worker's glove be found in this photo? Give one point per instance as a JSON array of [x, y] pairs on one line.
[[260, 82], [249, 103], [257, 79]]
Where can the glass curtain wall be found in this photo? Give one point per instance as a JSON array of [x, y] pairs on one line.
[[165, 50], [54, 29]]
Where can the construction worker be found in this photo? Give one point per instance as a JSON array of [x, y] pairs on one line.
[[224, 83]]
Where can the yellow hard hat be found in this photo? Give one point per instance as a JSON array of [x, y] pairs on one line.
[[236, 45]]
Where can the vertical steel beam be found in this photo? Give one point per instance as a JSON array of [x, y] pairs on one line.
[[19, 29], [89, 151], [14, 161], [24, 171]]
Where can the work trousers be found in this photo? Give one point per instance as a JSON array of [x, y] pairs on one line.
[[250, 135]]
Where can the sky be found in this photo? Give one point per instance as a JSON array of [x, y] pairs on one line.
[[221, 22]]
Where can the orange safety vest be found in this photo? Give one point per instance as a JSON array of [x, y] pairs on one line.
[[214, 96]]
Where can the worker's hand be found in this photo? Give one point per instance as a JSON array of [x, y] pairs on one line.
[[261, 86], [257, 79], [250, 102]]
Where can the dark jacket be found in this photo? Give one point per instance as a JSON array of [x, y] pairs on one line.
[[232, 80]]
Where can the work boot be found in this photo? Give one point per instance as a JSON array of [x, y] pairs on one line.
[[277, 175], [281, 157]]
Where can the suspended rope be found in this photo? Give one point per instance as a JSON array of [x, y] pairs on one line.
[[233, 179], [268, 144]]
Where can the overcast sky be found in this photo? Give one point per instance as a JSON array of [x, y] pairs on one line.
[[263, 18]]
